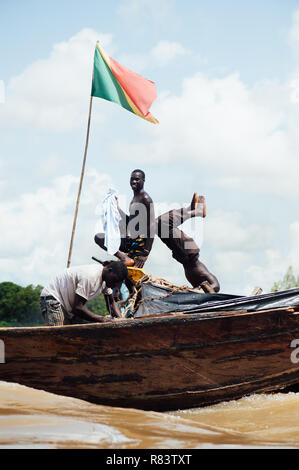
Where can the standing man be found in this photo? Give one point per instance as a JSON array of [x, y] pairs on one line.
[[138, 228], [63, 300], [184, 249]]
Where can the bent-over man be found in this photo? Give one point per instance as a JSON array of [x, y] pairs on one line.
[[63, 300]]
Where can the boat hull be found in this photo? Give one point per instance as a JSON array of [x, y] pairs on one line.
[[159, 363]]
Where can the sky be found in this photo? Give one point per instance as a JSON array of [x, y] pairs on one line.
[[227, 78]]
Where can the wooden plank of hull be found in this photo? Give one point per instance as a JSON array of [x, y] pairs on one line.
[[161, 363]]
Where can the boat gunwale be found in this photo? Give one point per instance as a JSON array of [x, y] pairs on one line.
[[169, 318]]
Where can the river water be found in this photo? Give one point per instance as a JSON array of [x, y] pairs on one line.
[[33, 419]]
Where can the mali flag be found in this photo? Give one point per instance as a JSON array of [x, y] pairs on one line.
[[113, 82]]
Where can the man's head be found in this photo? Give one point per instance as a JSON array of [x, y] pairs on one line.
[[137, 180], [114, 273]]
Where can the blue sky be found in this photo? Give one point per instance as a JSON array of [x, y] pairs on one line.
[[246, 36], [226, 75]]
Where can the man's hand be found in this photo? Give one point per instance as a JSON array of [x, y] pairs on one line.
[[139, 261], [121, 212], [117, 204], [112, 306]]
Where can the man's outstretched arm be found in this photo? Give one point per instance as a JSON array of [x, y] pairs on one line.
[[83, 312], [112, 306], [123, 215]]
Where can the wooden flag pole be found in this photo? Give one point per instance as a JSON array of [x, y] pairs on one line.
[[80, 186]]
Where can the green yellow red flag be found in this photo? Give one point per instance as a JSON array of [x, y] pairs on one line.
[[114, 82]]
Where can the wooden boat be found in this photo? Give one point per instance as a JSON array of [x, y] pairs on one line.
[[163, 362]]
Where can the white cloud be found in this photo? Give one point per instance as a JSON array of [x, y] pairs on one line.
[[36, 231], [294, 31], [137, 11], [227, 264], [246, 255], [166, 51], [230, 231], [36, 228], [293, 257], [2, 92], [236, 244], [49, 165], [161, 55], [271, 268], [241, 254], [227, 128], [53, 93]]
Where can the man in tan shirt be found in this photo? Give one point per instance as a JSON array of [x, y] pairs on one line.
[[63, 300]]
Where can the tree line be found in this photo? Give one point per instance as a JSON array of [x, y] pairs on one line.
[[19, 306]]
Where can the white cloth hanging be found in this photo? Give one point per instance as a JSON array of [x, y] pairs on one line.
[[111, 219]]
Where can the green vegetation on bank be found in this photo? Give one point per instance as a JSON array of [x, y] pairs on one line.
[[20, 306], [98, 305], [289, 281]]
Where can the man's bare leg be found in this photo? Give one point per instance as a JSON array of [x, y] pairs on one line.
[[197, 208], [183, 247], [168, 223]]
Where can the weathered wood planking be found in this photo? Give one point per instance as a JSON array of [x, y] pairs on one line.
[[157, 363]]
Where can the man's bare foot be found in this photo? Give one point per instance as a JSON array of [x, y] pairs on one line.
[[198, 206], [194, 202], [202, 205]]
